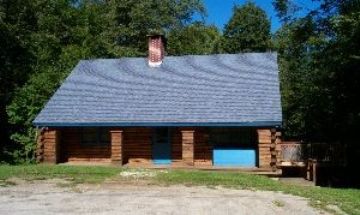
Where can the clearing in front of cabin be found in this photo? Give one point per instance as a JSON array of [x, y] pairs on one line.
[[141, 188]]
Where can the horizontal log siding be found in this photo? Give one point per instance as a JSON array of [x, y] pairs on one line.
[[187, 141], [40, 141], [264, 138], [116, 137], [268, 150], [63, 145], [137, 145], [73, 150], [203, 150], [50, 141]]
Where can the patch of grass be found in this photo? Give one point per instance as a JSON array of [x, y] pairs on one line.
[[346, 199], [6, 183], [278, 203], [225, 179], [75, 174]]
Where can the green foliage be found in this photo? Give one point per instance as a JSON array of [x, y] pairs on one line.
[[248, 30], [296, 74], [42, 40], [193, 39], [15, 58], [133, 20], [318, 56], [286, 9], [62, 34]]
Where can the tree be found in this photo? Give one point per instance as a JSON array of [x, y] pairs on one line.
[[61, 34], [297, 76], [248, 30], [319, 61], [133, 20], [45, 39], [16, 19], [193, 39]]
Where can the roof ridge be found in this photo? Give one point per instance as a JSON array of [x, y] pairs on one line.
[[187, 55]]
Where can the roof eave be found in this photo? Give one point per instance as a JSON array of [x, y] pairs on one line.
[[160, 124]]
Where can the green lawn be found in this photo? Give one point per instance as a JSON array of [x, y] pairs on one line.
[[76, 174], [347, 199]]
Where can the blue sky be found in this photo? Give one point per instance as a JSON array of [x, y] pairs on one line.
[[220, 11]]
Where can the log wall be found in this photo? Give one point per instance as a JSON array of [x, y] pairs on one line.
[[137, 145], [73, 150], [40, 137], [116, 140], [202, 149], [264, 138], [187, 141], [49, 145], [267, 147], [63, 145]]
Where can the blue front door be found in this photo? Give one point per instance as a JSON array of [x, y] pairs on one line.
[[161, 147]]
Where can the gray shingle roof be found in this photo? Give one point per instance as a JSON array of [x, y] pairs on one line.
[[225, 89]]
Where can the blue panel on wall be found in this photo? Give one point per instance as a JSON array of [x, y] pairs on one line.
[[234, 157]]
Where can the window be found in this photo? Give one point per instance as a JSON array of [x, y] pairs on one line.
[[95, 136], [233, 137]]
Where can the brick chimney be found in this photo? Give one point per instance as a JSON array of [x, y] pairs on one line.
[[156, 50]]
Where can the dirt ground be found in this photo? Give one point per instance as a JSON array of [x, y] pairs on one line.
[[55, 197]]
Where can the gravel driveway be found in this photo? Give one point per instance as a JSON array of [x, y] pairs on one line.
[[49, 197]]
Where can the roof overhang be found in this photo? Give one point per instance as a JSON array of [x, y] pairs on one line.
[[160, 124]]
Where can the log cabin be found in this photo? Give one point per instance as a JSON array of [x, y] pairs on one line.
[[220, 110]]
